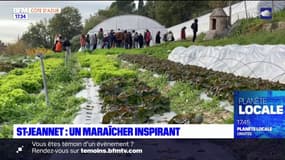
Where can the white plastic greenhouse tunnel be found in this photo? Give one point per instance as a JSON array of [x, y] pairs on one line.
[[129, 23], [257, 61]]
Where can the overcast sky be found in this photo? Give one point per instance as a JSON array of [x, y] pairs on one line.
[[10, 29]]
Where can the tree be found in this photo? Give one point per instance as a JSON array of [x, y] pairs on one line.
[[123, 6], [217, 4], [67, 23], [149, 9], [140, 7], [174, 12], [19, 47], [38, 35], [116, 8], [92, 21]]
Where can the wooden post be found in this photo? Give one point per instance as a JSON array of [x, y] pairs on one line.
[[67, 56], [44, 78]]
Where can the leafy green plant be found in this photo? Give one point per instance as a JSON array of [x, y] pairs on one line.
[[104, 67], [218, 84], [130, 101], [84, 73], [18, 105]]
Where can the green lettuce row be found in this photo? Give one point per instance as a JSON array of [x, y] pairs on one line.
[[28, 79], [17, 87], [21, 107], [104, 67]]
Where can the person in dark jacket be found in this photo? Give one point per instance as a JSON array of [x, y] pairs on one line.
[[157, 38], [183, 33], [66, 44], [165, 37], [136, 40], [194, 27], [141, 40], [111, 39], [130, 40], [125, 39], [119, 36], [87, 42], [93, 42]]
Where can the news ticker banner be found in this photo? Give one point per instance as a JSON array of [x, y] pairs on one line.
[[259, 114], [122, 131], [141, 149]]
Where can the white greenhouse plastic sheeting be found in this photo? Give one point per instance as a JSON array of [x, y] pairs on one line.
[[238, 12], [258, 61], [129, 23]]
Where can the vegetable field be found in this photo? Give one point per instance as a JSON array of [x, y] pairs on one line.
[[135, 86], [23, 102]]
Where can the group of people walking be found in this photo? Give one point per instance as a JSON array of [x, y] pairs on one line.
[[120, 39], [61, 44], [194, 27], [129, 39]]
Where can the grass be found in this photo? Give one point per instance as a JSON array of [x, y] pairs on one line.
[[252, 25]]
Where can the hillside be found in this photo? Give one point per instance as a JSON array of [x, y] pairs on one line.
[[238, 13], [247, 31]]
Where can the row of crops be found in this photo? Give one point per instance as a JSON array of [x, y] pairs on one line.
[[128, 95], [132, 96], [22, 100], [218, 84], [17, 87], [126, 99]]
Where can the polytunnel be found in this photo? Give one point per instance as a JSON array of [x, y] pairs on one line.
[[129, 23], [257, 61]]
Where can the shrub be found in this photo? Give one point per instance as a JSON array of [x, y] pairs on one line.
[[17, 48]]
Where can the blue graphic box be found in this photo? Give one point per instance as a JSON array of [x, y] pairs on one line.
[[266, 13], [259, 114]]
